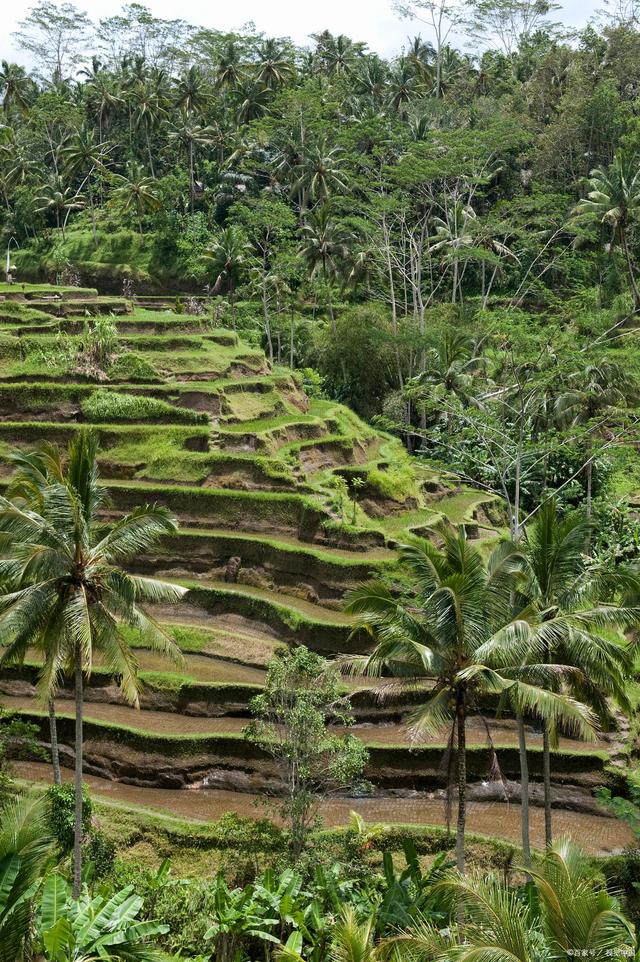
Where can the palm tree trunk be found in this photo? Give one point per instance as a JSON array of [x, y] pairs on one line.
[[53, 738], [589, 473], [632, 276], [524, 791], [461, 762], [191, 185], [153, 173], [546, 775], [77, 828]]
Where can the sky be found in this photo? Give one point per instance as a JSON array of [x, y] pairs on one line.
[[372, 21]]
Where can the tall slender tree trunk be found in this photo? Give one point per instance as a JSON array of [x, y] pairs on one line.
[[589, 474], [53, 738], [632, 276], [461, 764], [153, 173], [77, 828], [524, 791], [546, 776], [191, 175]]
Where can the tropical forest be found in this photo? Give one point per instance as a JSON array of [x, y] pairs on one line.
[[320, 487]]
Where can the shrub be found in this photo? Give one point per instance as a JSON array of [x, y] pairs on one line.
[[101, 852], [108, 406], [61, 799]]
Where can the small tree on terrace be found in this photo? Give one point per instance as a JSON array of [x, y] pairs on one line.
[[302, 695]]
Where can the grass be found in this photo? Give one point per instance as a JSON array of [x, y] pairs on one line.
[[111, 406]]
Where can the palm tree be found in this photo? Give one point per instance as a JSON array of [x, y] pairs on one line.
[[229, 72], [353, 939], [457, 604], [60, 200], [102, 94], [453, 235], [274, 69], [69, 593], [614, 200], [325, 246], [83, 155], [403, 87], [192, 92], [421, 56], [33, 473], [337, 56], [563, 618], [254, 98], [25, 852], [588, 393], [320, 174], [136, 191], [191, 136], [148, 112], [572, 915], [16, 87], [228, 259]]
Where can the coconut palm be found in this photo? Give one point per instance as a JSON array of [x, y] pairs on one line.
[[572, 915], [403, 86], [33, 472], [562, 618], [325, 248], [83, 155], [192, 91], [456, 605], [454, 237], [274, 69], [15, 86], [320, 174], [59, 200], [25, 852], [103, 97], [228, 259], [421, 55], [136, 191], [229, 72], [65, 590], [588, 393], [148, 113], [192, 137], [336, 56], [253, 101], [614, 200]]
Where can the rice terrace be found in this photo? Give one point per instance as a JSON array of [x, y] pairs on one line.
[[320, 488]]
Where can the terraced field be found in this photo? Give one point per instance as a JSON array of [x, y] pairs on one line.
[[273, 532]]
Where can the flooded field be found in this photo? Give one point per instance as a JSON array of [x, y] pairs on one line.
[[598, 835], [503, 731]]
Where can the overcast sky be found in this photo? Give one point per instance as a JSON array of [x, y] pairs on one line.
[[372, 21]]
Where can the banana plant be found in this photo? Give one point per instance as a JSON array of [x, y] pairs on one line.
[[238, 919], [95, 927]]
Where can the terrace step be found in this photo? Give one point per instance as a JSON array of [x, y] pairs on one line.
[[504, 732], [244, 559]]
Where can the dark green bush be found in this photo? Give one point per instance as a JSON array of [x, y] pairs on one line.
[[61, 800], [101, 852]]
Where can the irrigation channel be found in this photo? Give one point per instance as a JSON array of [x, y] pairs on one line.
[[599, 835]]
